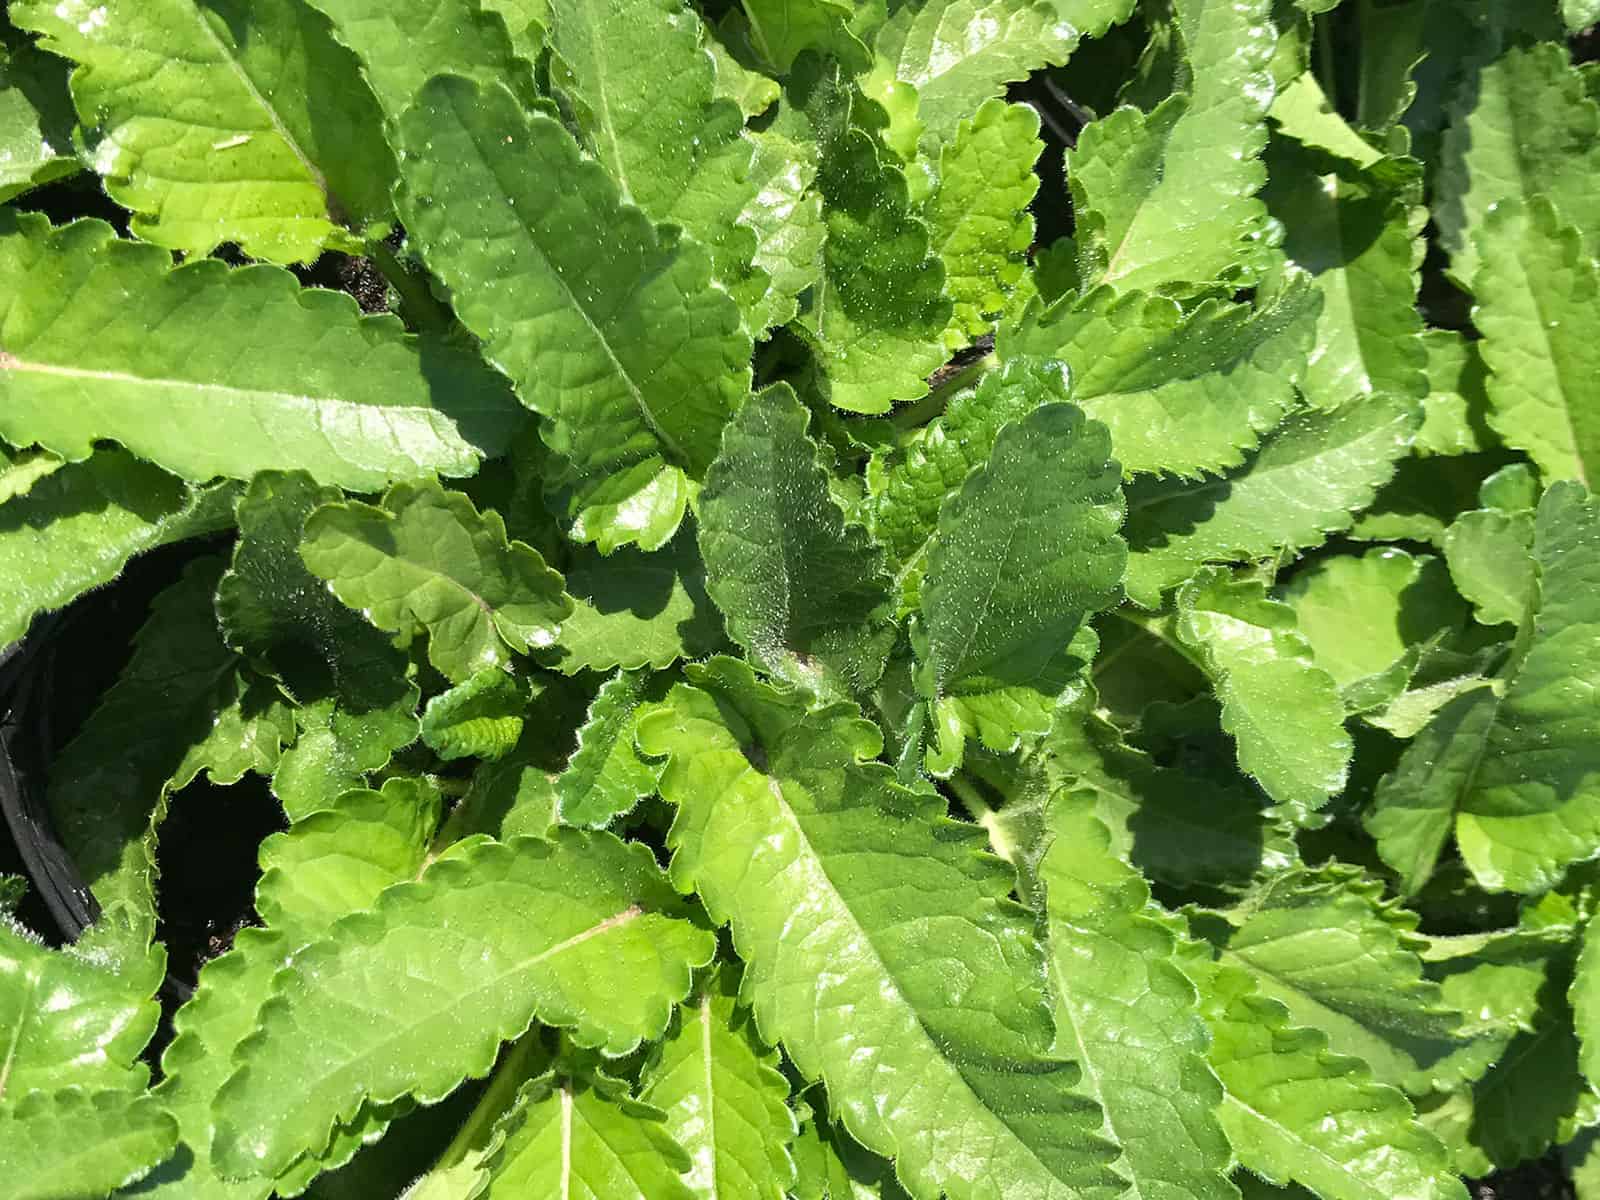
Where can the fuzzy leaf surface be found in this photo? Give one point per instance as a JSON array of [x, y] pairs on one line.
[[605, 777], [63, 1145]]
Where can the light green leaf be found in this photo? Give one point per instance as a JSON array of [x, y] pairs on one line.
[[803, 592], [1523, 126], [781, 29], [1297, 1113], [21, 469], [1025, 552], [957, 54], [1302, 112], [79, 526], [1128, 1016], [1168, 197], [581, 932], [831, 1165], [66, 1145], [1538, 291], [785, 214], [228, 122], [1579, 14], [580, 1134], [1358, 233], [1488, 553], [811, 858], [725, 1101], [1282, 709], [879, 313], [752, 91], [479, 718], [1325, 946], [608, 329], [631, 609], [427, 559], [36, 119], [605, 777], [1456, 407], [1307, 480], [339, 742], [1183, 393], [1514, 767], [209, 371], [69, 1021], [978, 217]]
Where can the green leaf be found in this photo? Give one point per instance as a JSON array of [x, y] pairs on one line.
[[1538, 291], [69, 1021], [228, 122], [79, 526], [1513, 768], [879, 313], [427, 559], [338, 744], [637, 366], [1521, 127], [1297, 1113], [479, 718], [957, 54], [832, 875], [1168, 197], [605, 778], [581, 932], [1488, 553], [1126, 1013], [1183, 393], [978, 217], [1282, 709], [209, 371], [631, 609], [1307, 480], [831, 1165], [803, 592], [21, 469], [64, 1145], [1025, 552], [1325, 946], [725, 1101], [780, 30], [1456, 407], [36, 120], [581, 1134], [1359, 235]]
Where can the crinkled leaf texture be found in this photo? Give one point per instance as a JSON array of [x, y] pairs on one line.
[[834, 879]]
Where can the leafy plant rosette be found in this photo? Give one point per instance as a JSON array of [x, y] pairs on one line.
[[798, 658]]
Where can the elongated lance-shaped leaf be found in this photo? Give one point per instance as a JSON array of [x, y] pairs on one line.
[[427, 559], [1168, 197], [78, 527], [402, 46], [1128, 1015], [631, 609], [1308, 480], [36, 119], [1538, 291], [1323, 944], [909, 482], [611, 331], [1025, 552], [68, 1021], [879, 313], [605, 777], [1183, 393], [957, 54], [581, 931], [1359, 236], [180, 706], [1514, 768], [1295, 1112], [480, 718], [1523, 126], [575, 1132], [725, 1100], [224, 122], [803, 592], [1283, 710], [834, 878], [978, 217], [56, 1145], [209, 371]]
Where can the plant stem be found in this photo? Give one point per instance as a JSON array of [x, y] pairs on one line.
[[417, 301], [519, 1065]]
